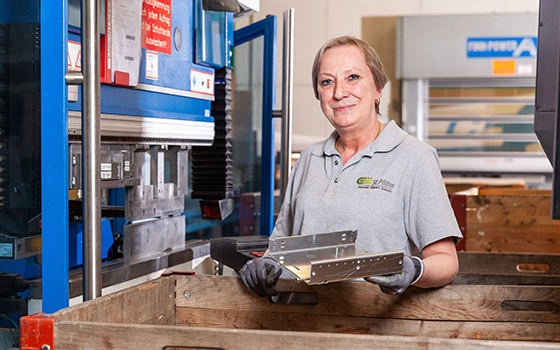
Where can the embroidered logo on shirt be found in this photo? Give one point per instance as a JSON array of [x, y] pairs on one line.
[[370, 183]]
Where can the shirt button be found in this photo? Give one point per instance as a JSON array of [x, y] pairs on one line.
[[336, 162], [335, 181]]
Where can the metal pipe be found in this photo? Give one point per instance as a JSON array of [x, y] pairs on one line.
[[287, 101], [74, 78], [91, 143]]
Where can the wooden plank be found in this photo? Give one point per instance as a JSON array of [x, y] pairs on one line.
[[513, 191], [526, 331], [363, 299], [139, 304], [511, 224], [541, 239], [507, 280], [510, 210], [166, 318], [507, 263], [89, 335]]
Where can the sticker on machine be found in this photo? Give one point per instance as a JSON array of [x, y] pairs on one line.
[[503, 67], [6, 250], [74, 56], [151, 65], [202, 82]]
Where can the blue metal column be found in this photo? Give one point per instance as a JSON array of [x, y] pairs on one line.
[[54, 153], [269, 103], [266, 28]]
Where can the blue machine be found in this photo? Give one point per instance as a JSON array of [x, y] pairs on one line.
[[147, 132], [76, 242]]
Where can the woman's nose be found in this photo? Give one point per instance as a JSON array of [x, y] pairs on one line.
[[340, 91]]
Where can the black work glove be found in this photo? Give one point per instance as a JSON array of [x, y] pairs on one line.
[[260, 275], [396, 283]]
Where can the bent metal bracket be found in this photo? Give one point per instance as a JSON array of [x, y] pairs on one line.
[[331, 257]]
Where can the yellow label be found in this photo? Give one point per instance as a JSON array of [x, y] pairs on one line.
[[33, 245], [503, 67]]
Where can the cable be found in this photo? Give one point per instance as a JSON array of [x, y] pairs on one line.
[[15, 337], [15, 334], [7, 317]]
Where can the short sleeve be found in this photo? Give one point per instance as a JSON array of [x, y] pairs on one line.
[[430, 216], [285, 221]]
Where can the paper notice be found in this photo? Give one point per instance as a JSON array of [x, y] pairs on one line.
[[126, 23]]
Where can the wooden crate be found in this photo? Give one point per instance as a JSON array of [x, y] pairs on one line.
[[217, 312], [507, 220], [516, 269]]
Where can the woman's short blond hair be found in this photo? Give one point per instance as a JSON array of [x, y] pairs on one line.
[[372, 60]]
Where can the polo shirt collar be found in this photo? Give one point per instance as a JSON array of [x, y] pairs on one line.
[[390, 137]]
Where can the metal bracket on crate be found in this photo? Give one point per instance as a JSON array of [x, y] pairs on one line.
[[331, 257]]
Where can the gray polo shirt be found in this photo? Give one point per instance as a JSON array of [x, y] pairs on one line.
[[392, 192]]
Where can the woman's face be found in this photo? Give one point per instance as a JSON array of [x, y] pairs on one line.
[[347, 91]]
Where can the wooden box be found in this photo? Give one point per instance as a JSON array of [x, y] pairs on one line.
[[217, 312], [508, 221]]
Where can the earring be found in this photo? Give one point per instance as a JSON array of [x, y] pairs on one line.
[[377, 101]]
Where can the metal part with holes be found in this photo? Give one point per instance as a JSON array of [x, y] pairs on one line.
[[331, 257], [333, 270], [158, 199], [319, 240]]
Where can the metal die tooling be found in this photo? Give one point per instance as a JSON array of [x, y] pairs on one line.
[[331, 257]]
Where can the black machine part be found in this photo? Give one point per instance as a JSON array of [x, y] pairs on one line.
[[221, 5], [234, 252], [10, 285], [547, 101]]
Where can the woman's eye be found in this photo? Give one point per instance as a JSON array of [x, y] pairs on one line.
[[354, 77], [325, 82]]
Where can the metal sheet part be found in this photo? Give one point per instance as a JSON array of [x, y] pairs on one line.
[[137, 128], [115, 272], [149, 208], [320, 240], [152, 239], [331, 257], [355, 267]]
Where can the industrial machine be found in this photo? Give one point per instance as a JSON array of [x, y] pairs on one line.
[[121, 161], [475, 101]]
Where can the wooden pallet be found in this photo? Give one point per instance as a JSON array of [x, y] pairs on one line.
[[192, 312]]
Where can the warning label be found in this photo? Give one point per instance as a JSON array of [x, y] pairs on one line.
[[156, 25], [74, 56]]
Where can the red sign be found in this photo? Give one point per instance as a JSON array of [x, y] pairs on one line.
[[156, 25]]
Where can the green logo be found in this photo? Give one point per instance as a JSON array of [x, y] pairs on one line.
[[365, 181], [374, 184]]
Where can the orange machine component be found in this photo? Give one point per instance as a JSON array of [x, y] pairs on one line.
[[37, 332]]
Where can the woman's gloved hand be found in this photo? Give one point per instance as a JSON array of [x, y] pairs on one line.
[[394, 284], [260, 275]]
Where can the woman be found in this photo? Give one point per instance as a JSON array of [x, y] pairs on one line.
[[366, 176]]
